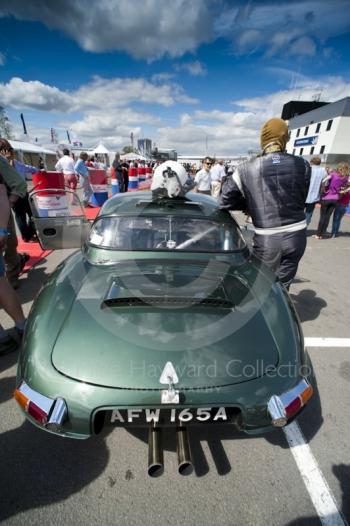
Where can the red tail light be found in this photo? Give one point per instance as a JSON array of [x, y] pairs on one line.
[[46, 411]]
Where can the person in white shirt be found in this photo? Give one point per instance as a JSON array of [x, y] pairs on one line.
[[202, 178], [66, 165], [217, 173], [318, 174]]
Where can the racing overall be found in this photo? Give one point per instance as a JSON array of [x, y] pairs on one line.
[[272, 189]]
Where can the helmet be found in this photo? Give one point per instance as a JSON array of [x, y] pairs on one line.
[[170, 179]]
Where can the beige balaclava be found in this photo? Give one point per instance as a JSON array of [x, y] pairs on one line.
[[274, 135]]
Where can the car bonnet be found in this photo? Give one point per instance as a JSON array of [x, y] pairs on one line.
[[127, 323]]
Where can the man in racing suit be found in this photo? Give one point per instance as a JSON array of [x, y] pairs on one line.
[[272, 189]]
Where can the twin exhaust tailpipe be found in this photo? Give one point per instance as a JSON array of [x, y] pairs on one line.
[[155, 452], [156, 457]]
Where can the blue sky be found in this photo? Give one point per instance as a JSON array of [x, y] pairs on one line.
[[200, 76]]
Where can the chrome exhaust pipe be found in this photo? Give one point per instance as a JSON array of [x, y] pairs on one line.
[[185, 466], [155, 452]]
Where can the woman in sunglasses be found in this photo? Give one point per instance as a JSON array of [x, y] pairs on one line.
[[202, 179]]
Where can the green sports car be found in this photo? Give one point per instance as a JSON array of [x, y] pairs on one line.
[[162, 318]]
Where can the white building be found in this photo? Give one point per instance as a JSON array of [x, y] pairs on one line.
[[324, 132]]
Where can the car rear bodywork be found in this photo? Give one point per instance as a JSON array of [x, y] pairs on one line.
[[106, 326]]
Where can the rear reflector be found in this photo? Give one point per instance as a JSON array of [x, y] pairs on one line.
[[307, 394], [21, 399]]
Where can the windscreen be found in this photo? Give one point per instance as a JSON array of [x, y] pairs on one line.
[[167, 233]]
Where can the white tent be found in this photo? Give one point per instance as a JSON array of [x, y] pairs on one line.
[[100, 149], [132, 157], [21, 146], [30, 153]]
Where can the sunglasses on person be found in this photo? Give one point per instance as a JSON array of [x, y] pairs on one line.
[[209, 164]]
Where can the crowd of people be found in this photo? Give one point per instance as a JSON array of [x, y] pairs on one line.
[[278, 191]]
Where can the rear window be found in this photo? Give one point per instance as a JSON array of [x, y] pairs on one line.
[[165, 233]]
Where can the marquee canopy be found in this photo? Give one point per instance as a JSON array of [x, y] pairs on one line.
[[101, 149], [132, 157], [30, 147]]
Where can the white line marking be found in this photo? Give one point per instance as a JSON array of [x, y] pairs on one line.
[[327, 342], [316, 485]]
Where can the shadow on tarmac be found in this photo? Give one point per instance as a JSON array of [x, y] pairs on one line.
[[38, 469], [7, 386], [310, 421], [342, 472], [8, 360], [307, 304], [213, 435], [312, 232], [30, 286]]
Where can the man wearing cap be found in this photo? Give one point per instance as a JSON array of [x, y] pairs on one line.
[[272, 189]]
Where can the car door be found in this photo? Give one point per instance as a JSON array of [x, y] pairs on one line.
[[59, 218]]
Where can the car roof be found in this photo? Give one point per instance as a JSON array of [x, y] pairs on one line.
[[141, 203]]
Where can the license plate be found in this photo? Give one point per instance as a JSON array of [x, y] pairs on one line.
[[168, 417]]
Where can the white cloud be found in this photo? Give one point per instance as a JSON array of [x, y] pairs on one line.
[[123, 91], [331, 89], [112, 125], [303, 46], [223, 133], [112, 93], [144, 29], [105, 105], [213, 132], [185, 119], [279, 28], [151, 29], [200, 131], [35, 95], [196, 68], [248, 41], [162, 77]]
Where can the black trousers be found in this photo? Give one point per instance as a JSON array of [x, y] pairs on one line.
[[24, 218], [126, 182], [120, 182], [281, 253], [327, 208]]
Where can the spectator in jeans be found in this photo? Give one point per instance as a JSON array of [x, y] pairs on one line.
[[330, 198], [318, 174], [341, 207], [117, 165], [83, 173]]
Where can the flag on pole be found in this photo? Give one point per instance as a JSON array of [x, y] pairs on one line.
[[24, 125]]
